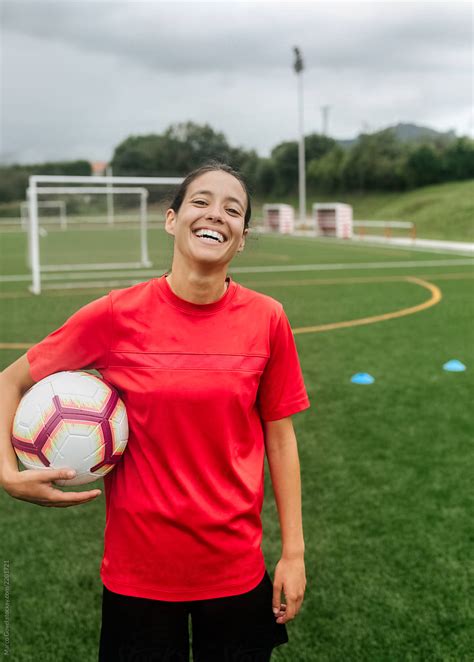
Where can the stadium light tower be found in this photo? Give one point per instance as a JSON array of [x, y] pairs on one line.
[[298, 67]]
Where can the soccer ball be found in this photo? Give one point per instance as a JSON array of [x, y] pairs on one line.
[[71, 420]]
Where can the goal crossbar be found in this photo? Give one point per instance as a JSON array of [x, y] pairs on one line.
[[103, 179], [78, 190]]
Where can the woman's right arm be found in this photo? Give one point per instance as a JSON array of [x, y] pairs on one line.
[[34, 485]]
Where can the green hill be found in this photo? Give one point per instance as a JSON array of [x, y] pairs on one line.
[[442, 211], [407, 132]]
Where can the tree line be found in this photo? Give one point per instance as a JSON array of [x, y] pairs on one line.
[[14, 178], [375, 162]]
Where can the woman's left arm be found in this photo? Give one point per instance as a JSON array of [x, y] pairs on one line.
[[283, 461]]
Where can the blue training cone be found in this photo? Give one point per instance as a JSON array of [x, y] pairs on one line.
[[454, 366], [362, 378]]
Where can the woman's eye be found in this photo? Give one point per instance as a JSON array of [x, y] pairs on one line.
[[233, 211], [199, 202]]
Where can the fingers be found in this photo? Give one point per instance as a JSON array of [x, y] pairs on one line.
[[276, 598], [285, 612], [37, 487], [280, 612], [64, 499], [289, 611], [51, 475]]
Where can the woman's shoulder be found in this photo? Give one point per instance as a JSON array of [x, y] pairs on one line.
[[134, 296], [263, 302]]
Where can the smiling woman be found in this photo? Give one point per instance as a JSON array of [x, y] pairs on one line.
[[183, 509], [209, 219]]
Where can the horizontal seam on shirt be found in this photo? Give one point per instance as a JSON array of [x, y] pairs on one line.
[[146, 367], [128, 351]]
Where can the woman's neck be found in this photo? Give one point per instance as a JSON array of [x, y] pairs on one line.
[[197, 288]]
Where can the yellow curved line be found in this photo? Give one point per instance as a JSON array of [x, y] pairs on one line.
[[435, 298], [16, 345]]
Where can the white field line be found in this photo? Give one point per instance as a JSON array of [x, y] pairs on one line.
[[427, 245], [98, 284], [353, 265], [99, 266], [120, 283], [418, 245], [347, 266]]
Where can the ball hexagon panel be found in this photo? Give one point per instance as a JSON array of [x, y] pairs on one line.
[[81, 451], [35, 409], [82, 391]]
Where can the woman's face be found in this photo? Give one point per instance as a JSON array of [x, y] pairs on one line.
[[209, 226]]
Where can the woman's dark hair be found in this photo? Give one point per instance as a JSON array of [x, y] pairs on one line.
[[211, 166]]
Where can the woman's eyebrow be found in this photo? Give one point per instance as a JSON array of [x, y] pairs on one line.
[[210, 193]]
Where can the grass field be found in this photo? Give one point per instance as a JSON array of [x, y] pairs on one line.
[[386, 468]]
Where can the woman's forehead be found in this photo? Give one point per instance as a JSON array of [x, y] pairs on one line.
[[217, 182]]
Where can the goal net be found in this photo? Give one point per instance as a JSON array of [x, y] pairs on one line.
[[55, 212]]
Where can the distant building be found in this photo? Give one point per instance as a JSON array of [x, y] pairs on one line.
[[99, 167]]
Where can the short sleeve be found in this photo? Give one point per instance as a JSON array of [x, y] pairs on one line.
[[82, 342], [282, 391]]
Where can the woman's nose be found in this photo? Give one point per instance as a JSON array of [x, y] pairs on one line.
[[214, 213]]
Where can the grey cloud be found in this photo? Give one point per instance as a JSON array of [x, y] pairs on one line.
[[135, 67], [249, 35]]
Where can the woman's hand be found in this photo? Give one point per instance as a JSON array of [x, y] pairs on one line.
[[36, 486], [290, 577]]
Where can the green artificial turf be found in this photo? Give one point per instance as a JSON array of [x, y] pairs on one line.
[[386, 468]]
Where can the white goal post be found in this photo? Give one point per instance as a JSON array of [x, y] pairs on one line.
[[38, 186]]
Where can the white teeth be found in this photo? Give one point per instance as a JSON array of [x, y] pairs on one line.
[[210, 233]]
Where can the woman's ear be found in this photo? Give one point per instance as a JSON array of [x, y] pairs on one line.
[[170, 221], [242, 241]]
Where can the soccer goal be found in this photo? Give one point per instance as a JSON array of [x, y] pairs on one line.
[[107, 245], [87, 191], [60, 205]]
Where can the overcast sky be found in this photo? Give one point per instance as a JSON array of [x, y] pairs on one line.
[[78, 77]]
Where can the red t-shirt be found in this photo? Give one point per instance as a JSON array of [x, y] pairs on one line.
[[183, 505]]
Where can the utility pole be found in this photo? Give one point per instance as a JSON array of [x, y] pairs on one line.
[[298, 67], [325, 111]]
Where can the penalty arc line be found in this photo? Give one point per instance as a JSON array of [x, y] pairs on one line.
[[435, 298]]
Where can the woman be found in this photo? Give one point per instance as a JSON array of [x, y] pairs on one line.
[[210, 376]]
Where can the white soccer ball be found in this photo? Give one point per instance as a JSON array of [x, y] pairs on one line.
[[71, 420]]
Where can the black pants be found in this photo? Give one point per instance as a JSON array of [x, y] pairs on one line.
[[240, 628]]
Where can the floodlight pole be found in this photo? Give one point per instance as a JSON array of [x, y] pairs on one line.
[[298, 67]]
